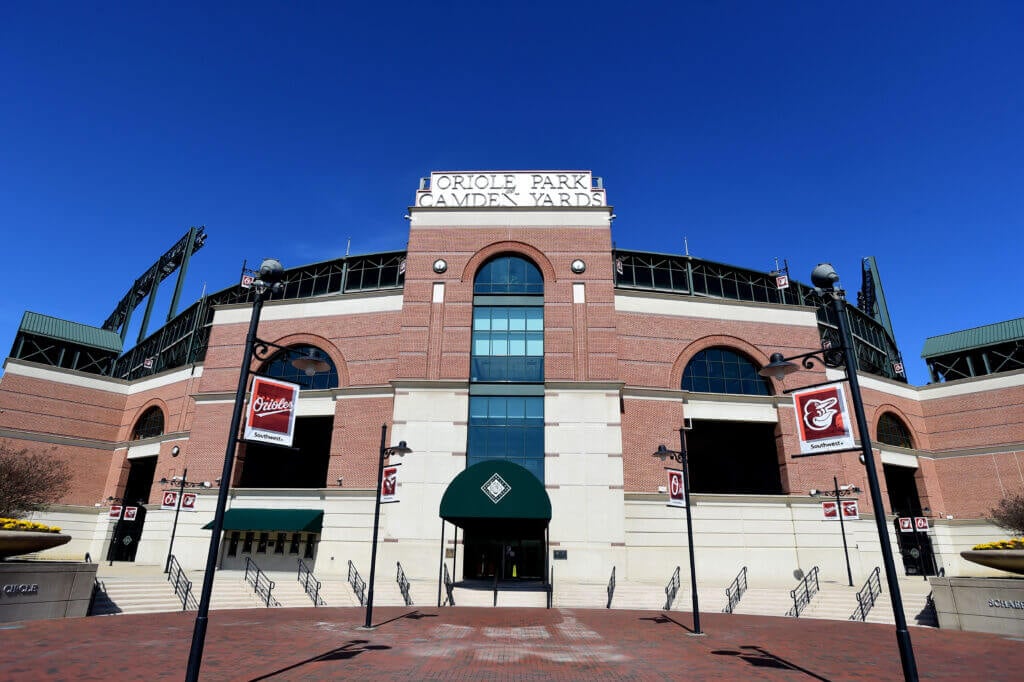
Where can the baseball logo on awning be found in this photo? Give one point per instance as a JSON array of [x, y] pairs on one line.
[[271, 414], [823, 422], [676, 493]]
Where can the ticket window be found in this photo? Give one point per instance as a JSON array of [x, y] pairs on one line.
[[261, 546], [247, 543], [279, 544], [310, 546], [294, 547]]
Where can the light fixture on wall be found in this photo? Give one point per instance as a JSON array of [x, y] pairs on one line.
[[341, 480], [310, 362]]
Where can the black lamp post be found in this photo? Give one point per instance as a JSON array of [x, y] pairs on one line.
[[837, 492], [679, 456], [401, 450], [825, 278], [268, 282], [177, 510]]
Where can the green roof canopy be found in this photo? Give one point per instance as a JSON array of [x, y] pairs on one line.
[[496, 490], [283, 520], [978, 337], [63, 330]]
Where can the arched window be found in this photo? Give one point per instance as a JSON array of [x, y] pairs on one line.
[[723, 370], [150, 424], [508, 274], [892, 431], [279, 366]]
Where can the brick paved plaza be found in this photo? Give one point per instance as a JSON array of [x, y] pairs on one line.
[[490, 644]]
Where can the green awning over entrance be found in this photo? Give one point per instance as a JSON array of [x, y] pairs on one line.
[[284, 520], [496, 490]]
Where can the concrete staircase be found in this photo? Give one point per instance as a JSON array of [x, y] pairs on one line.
[[146, 590]]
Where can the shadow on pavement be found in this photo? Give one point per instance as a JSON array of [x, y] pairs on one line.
[[350, 650], [760, 658], [662, 619]]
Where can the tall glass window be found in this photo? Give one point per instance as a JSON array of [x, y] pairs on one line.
[[723, 370], [509, 428], [507, 422], [508, 344]]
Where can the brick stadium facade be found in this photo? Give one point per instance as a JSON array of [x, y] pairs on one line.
[[580, 377]]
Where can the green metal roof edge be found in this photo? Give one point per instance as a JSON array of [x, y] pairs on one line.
[[285, 520], [65, 330], [977, 337]]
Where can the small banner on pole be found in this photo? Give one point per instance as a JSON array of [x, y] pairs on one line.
[[906, 524], [389, 484], [271, 414], [114, 511], [823, 420], [921, 523], [830, 510], [851, 510], [676, 495], [170, 500]]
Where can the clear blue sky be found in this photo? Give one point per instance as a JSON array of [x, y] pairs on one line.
[[821, 131]]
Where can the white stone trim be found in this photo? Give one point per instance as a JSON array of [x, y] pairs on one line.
[[100, 383], [307, 308], [321, 406], [144, 450], [731, 411], [717, 309], [899, 459], [579, 292], [421, 218]]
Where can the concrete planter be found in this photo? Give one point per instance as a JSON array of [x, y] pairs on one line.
[[18, 542], [1010, 560]]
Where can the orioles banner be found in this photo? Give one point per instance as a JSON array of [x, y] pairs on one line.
[[271, 414], [823, 420], [389, 484]]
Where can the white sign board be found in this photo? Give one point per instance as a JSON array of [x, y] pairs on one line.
[[822, 420], [676, 492], [169, 499], [271, 414], [830, 510], [511, 189]]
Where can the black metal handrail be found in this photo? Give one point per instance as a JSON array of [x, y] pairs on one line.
[[804, 592], [867, 595], [310, 584], [182, 585], [735, 591], [357, 583], [611, 589], [672, 589], [448, 587], [551, 588], [261, 584], [403, 584]]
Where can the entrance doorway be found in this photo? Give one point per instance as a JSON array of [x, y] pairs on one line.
[[508, 555]]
